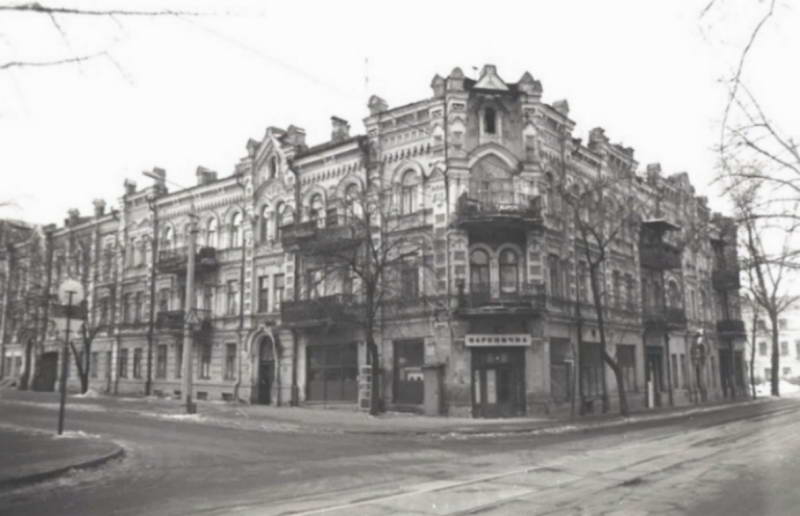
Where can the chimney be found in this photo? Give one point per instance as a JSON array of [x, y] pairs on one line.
[[438, 85], [99, 207], [296, 136], [377, 105], [597, 138], [340, 129], [130, 187], [205, 176], [562, 106], [653, 172], [73, 217]]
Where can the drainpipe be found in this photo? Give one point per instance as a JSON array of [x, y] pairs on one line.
[[295, 394]]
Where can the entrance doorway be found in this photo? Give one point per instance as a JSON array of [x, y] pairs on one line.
[[48, 370], [498, 382], [409, 388], [266, 370], [654, 372]]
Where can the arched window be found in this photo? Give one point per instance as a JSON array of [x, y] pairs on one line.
[[264, 227], [479, 271], [316, 209], [352, 206], [509, 271], [273, 167], [490, 183], [211, 232], [703, 304], [409, 192], [236, 230], [281, 218], [167, 238], [489, 121]]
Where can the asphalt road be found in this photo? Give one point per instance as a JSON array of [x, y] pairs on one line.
[[749, 466]]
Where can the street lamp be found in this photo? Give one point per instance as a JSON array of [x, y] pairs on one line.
[[698, 354]]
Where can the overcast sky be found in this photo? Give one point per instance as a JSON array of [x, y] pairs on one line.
[[178, 92]]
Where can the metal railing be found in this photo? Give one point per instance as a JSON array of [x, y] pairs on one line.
[[731, 327], [498, 295], [659, 256], [319, 310], [498, 204], [175, 319]]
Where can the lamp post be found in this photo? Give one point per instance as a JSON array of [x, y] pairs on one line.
[[70, 293], [698, 354]]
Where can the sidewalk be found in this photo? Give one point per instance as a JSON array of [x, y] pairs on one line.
[[28, 456], [347, 420]]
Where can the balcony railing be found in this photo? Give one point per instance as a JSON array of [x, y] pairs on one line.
[[320, 311], [499, 207], [176, 259], [725, 279], [492, 298], [175, 319], [664, 318], [731, 327], [659, 256], [310, 236]]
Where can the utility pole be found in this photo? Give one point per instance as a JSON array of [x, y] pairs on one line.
[[188, 319], [151, 326], [64, 365]]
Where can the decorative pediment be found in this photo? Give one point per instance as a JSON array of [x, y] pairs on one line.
[[489, 80]]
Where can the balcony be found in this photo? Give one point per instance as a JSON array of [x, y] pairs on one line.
[[498, 210], [664, 318], [731, 328], [320, 311], [493, 299], [659, 256], [175, 260], [175, 319], [310, 237], [725, 279]]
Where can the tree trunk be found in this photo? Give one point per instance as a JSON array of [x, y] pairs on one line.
[[375, 398], [623, 397], [25, 380], [776, 360]]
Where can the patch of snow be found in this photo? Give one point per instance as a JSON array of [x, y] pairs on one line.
[[90, 393], [76, 434]]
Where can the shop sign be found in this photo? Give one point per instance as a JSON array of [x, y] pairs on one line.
[[497, 340]]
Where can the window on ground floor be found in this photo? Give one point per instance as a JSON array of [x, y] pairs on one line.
[[684, 372], [230, 361], [178, 360], [205, 361], [626, 358], [561, 370], [93, 364], [137, 363], [123, 363], [161, 361], [675, 379], [332, 372], [762, 348]]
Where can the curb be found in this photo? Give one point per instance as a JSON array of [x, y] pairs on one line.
[[53, 473]]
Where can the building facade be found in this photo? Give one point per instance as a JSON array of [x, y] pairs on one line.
[[788, 344], [483, 303]]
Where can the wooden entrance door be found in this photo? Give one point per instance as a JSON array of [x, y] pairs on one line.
[[48, 370], [654, 372], [266, 374], [498, 382]]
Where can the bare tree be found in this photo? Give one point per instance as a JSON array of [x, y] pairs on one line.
[[768, 270], [362, 257]]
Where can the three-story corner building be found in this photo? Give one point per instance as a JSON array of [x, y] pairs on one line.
[[483, 303]]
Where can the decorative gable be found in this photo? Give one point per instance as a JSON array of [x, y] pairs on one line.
[[489, 80]]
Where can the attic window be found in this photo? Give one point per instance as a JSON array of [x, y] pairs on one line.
[[489, 121], [273, 167]]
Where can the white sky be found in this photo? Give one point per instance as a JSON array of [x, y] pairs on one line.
[[183, 92]]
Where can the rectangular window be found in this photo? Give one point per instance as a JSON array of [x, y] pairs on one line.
[[675, 370], [123, 363], [208, 298], [139, 304], [137, 363], [782, 324], [230, 361], [787, 371], [626, 356], [278, 286], [93, 364], [205, 361], [163, 300], [178, 360], [591, 370], [409, 281], [762, 349], [784, 348], [684, 372], [797, 348], [126, 308], [313, 283], [767, 373], [161, 361], [263, 294], [232, 302]]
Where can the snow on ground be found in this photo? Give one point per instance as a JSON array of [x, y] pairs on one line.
[[91, 393], [76, 434], [784, 387]]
